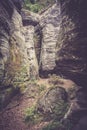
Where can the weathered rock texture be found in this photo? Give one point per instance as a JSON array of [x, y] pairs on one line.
[[71, 58], [12, 54], [53, 102], [14, 66], [50, 23], [72, 54], [62, 47], [5, 19], [29, 22], [30, 48]]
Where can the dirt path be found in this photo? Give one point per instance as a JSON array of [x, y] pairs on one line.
[[12, 118]]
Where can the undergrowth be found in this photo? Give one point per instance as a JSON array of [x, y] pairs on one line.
[[32, 116], [37, 5], [56, 125]]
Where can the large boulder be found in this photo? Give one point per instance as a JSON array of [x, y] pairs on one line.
[[53, 104]]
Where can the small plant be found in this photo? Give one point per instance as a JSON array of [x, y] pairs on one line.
[[42, 87], [16, 72], [33, 81], [37, 5], [30, 112], [34, 7], [32, 116]]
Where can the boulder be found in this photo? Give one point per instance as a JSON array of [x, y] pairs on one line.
[[53, 104]]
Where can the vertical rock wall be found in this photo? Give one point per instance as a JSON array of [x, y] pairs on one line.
[[30, 48], [13, 61], [72, 53], [71, 58], [50, 23], [18, 58], [5, 19], [30, 20], [14, 64], [63, 31]]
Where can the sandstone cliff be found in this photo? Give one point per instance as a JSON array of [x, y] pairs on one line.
[[30, 20], [50, 23], [72, 54], [14, 66]]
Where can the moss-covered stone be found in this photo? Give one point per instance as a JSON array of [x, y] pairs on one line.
[[53, 104]]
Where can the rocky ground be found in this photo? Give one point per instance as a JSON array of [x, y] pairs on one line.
[[12, 117]]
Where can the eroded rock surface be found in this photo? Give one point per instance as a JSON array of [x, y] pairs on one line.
[[29, 22], [63, 48], [72, 41], [71, 58], [30, 48], [50, 23], [14, 66]]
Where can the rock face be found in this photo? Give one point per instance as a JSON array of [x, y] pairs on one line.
[[29, 22], [14, 66], [29, 42], [5, 25], [72, 54], [50, 23], [62, 48], [71, 58], [12, 54]]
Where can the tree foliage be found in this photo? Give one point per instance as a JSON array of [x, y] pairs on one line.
[[37, 5]]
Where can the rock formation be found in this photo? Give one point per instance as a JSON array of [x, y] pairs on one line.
[[14, 66], [71, 58], [71, 54], [53, 102], [29, 22], [50, 23], [62, 46]]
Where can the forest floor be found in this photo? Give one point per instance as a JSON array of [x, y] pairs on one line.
[[12, 117]]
